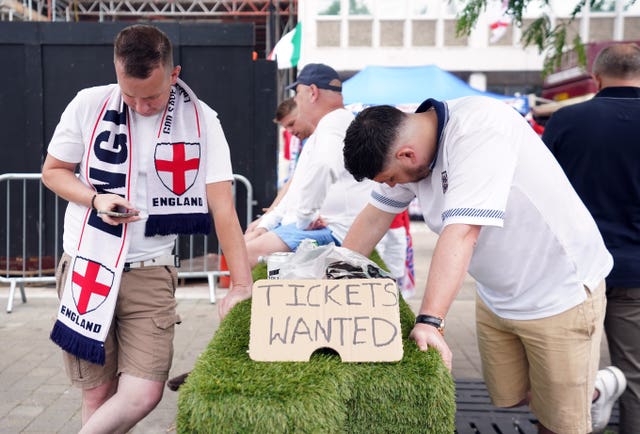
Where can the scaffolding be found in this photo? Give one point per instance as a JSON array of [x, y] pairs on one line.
[[271, 18], [95, 10], [14, 10], [126, 9]]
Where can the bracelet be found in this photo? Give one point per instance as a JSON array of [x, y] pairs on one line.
[[93, 199]]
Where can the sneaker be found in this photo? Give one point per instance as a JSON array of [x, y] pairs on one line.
[[610, 382]]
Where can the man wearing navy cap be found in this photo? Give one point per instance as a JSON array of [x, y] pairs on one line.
[[320, 75], [323, 198]]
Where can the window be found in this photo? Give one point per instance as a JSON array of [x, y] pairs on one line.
[[422, 7], [328, 7], [360, 7]]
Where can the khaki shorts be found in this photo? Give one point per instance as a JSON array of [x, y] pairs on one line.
[[140, 340], [555, 358]]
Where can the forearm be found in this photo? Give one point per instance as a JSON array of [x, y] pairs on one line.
[[271, 219], [449, 265], [367, 229], [312, 185], [61, 179], [306, 218], [229, 232], [233, 247]]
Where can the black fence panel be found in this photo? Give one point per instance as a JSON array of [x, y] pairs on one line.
[[46, 64]]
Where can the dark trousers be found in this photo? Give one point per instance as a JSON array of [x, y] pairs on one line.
[[622, 326]]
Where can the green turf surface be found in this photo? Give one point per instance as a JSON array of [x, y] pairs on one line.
[[227, 392]]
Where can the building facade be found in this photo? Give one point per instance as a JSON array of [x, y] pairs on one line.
[[351, 34]]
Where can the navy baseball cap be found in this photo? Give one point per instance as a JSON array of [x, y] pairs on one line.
[[323, 76]]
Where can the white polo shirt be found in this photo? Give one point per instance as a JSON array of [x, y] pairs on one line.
[[321, 185], [68, 144], [538, 246]]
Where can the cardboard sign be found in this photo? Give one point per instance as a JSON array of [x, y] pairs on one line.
[[357, 318]]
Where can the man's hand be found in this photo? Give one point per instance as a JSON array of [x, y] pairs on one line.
[[250, 235], [114, 202], [318, 223], [428, 336], [253, 225], [236, 294]]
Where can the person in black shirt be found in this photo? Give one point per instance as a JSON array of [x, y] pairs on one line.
[[597, 143]]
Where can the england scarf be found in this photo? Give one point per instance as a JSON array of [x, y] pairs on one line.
[[176, 204]]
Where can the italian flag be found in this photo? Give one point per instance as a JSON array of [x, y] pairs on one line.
[[287, 50]]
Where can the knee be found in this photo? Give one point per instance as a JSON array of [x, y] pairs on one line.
[[145, 402], [139, 396], [97, 396]]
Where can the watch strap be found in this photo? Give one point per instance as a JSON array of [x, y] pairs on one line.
[[431, 320]]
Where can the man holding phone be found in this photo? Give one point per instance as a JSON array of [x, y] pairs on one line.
[[120, 212], [153, 160]]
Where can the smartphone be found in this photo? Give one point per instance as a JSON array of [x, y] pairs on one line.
[[119, 213]]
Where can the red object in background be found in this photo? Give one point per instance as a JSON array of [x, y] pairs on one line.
[[539, 129], [398, 221], [286, 135], [402, 220], [224, 281]]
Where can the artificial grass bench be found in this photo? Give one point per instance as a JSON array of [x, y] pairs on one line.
[[227, 392]]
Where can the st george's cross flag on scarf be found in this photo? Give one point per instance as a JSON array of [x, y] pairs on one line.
[[287, 50], [176, 204]]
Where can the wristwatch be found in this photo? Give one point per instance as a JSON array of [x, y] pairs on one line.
[[434, 321]]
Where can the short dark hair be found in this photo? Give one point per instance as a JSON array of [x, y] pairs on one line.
[[620, 61], [369, 139], [284, 108], [141, 48]]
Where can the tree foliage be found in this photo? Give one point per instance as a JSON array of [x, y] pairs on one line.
[[550, 38]]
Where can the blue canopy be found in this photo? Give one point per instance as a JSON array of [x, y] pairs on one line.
[[395, 85]]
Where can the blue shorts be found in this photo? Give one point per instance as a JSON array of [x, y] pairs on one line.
[[292, 236]]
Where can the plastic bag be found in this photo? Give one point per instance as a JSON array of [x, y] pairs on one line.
[[330, 262]]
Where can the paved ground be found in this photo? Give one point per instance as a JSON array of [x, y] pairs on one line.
[[35, 396]]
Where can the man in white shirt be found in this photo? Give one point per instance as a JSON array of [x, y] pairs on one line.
[[146, 147], [323, 198], [505, 213]]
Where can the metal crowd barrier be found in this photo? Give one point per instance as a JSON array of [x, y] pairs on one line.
[[32, 250]]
